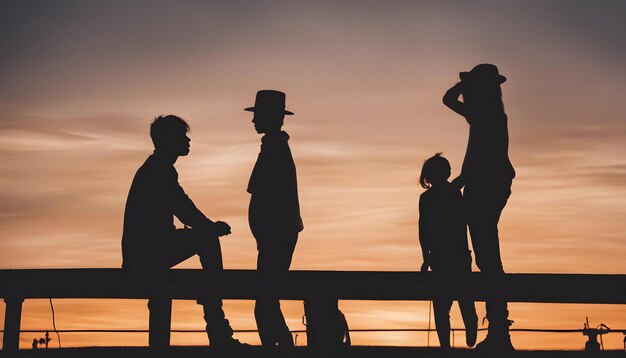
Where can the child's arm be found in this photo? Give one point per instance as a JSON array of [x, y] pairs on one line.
[[423, 235], [458, 182], [451, 99]]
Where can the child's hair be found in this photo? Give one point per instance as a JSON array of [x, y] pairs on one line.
[[434, 168]]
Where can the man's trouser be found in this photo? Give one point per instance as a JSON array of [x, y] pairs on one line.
[[275, 254], [187, 243]]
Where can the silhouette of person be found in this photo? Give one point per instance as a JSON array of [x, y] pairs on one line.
[[273, 215], [443, 238], [151, 244], [487, 175]]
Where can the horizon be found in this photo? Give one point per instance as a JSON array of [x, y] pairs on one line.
[[82, 82]]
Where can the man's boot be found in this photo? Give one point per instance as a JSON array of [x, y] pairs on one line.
[[498, 338], [218, 328], [221, 335]]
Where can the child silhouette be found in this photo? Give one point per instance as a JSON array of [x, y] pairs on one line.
[[443, 238]]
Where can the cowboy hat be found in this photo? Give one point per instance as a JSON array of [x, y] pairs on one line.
[[484, 71], [269, 100]]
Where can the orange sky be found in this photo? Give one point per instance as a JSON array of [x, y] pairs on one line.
[[81, 83]]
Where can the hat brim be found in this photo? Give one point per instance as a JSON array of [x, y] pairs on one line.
[[251, 109], [469, 75]]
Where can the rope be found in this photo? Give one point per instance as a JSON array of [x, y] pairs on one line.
[[54, 324]]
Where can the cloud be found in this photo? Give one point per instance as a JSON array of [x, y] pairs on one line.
[[81, 84]]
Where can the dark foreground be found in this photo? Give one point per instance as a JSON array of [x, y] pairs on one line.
[[257, 352]]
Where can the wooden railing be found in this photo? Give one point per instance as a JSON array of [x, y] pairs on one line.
[[17, 285]]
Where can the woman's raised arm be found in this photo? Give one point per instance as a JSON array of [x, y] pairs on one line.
[[451, 99]]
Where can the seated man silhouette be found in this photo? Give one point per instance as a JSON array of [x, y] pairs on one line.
[[274, 214], [151, 244]]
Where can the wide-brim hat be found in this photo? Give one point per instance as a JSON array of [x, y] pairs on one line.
[[269, 101], [484, 72]]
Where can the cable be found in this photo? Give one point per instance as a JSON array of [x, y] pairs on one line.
[[599, 328], [54, 324], [453, 337], [601, 340], [430, 306], [531, 330]]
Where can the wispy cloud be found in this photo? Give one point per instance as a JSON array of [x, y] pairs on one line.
[[82, 81]]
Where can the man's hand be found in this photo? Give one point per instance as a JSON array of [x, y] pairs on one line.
[[213, 229], [221, 228]]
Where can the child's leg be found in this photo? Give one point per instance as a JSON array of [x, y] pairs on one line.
[[470, 319], [441, 307]]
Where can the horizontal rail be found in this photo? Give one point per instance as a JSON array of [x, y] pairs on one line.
[[300, 285], [312, 286], [538, 330]]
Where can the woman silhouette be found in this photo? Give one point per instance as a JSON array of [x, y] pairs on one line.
[[487, 175]]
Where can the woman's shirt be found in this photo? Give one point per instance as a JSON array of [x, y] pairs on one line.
[[487, 155]]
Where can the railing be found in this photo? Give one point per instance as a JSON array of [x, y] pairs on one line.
[[296, 332], [310, 286]]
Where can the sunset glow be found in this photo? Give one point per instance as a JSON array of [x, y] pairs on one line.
[[81, 82]]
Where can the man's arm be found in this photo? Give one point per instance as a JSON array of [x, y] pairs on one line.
[[279, 188], [451, 99], [293, 202], [187, 212]]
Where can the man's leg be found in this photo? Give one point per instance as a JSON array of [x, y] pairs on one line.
[[265, 304], [441, 308], [160, 322], [470, 321], [270, 321], [285, 339], [189, 243], [272, 265]]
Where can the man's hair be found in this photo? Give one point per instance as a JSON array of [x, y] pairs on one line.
[[164, 126]]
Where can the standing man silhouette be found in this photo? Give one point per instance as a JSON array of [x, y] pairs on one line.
[[151, 244], [487, 175], [274, 214]]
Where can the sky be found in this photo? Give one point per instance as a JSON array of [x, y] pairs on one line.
[[82, 80]]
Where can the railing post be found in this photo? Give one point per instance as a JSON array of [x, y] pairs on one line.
[[12, 320], [160, 322]]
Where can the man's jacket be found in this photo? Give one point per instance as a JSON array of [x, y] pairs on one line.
[[155, 197], [274, 206]]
